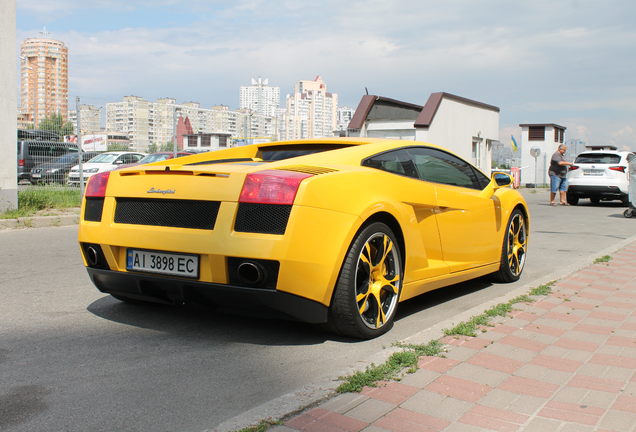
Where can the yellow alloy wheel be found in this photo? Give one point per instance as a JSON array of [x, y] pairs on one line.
[[366, 295]]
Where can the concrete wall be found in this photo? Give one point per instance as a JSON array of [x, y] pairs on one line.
[[391, 129], [8, 105], [457, 125], [536, 172]]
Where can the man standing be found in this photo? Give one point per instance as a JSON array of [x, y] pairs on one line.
[[558, 172]]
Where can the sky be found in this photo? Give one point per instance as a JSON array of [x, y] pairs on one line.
[[569, 62]]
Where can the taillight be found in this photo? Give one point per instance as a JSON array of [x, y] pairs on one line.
[[573, 167], [618, 168], [96, 186], [272, 187], [20, 162]]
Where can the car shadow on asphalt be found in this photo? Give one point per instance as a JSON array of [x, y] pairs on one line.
[[261, 327], [439, 296], [208, 323]]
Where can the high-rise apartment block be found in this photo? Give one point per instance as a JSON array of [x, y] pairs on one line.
[[311, 111], [345, 114], [89, 119], [43, 78], [147, 123], [260, 97]]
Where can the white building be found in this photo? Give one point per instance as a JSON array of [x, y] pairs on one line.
[[260, 97], [89, 117], [344, 116], [539, 141], [466, 127], [311, 111], [147, 123]]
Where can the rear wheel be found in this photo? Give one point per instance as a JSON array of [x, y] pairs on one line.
[[513, 251], [572, 199], [366, 295]]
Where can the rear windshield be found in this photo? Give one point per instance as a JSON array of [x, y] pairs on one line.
[[104, 158], [598, 158], [279, 152], [276, 153]]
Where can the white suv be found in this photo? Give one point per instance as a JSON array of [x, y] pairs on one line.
[[599, 175]]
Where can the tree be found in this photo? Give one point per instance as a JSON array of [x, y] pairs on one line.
[[56, 123]]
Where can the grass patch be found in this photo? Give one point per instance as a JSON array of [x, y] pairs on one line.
[[34, 199], [603, 259], [262, 426], [522, 299], [542, 290], [398, 362]]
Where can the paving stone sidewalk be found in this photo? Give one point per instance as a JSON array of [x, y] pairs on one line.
[[566, 362]]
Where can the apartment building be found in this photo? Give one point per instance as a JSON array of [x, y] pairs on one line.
[[260, 97], [43, 78], [147, 123], [311, 111], [89, 119]]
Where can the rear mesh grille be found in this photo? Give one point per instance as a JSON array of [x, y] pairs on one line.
[[93, 209], [167, 212], [262, 218]]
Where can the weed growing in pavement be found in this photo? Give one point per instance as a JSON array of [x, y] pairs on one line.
[[542, 290], [33, 199], [603, 259], [262, 426], [397, 362]]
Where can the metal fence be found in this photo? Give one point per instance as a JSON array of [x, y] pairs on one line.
[[49, 154]]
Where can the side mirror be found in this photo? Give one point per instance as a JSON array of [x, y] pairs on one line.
[[502, 179], [498, 180]]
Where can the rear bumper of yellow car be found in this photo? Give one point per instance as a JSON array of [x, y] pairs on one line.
[[301, 266]]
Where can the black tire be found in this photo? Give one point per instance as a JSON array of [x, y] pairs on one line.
[[628, 213], [366, 295], [513, 250], [595, 200], [572, 199]]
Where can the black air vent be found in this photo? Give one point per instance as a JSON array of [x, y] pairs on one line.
[[167, 212], [93, 209], [262, 218]]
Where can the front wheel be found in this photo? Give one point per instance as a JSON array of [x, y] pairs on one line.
[[366, 295], [513, 251]]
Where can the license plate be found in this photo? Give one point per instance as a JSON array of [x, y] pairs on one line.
[[36, 175], [175, 264], [593, 172]]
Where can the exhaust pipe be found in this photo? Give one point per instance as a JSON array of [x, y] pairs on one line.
[[91, 255], [251, 273]]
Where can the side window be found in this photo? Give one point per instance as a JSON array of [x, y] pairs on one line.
[[396, 162], [136, 157], [440, 167]]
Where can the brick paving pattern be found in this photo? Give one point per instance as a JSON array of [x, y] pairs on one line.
[[566, 362]]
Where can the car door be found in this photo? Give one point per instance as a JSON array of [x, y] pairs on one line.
[[468, 223], [424, 255]]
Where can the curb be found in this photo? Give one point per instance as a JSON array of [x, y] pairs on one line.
[[39, 221], [310, 395]]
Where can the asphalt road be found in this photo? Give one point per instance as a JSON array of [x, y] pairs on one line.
[[74, 359]]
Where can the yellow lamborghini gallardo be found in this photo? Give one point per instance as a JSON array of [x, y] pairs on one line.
[[333, 230]]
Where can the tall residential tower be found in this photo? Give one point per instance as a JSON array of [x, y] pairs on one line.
[[260, 97], [43, 78]]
